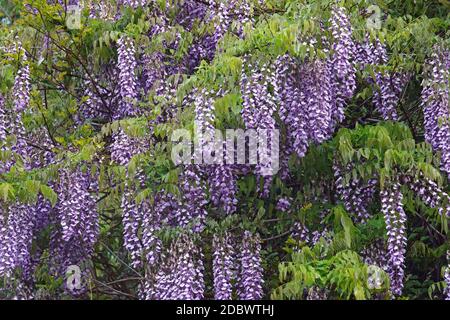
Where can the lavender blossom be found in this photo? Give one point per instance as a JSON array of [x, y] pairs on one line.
[[435, 101], [447, 277], [223, 266], [180, 276], [395, 218], [284, 204], [344, 73], [251, 273], [127, 78]]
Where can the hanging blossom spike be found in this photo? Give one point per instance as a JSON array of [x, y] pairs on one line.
[[21, 89], [284, 204], [447, 277], [388, 86], [180, 276], [21, 94], [223, 266], [127, 77], [17, 230], [395, 219], [192, 209], [76, 223], [356, 195], [131, 221], [435, 102], [251, 272], [431, 194], [291, 111], [259, 107], [221, 178], [344, 73], [375, 254], [300, 232], [3, 130], [223, 188]]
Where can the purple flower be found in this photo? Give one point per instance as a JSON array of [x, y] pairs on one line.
[[342, 61], [250, 277], [180, 276], [395, 219], [223, 266], [435, 101]]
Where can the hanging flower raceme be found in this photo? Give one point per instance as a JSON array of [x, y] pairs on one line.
[[21, 94], [395, 219], [435, 102], [127, 77], [342, 61], [431, 194], [180, 276], [21, 90], [17, 237], [375, 254], [205, 47], [17, 230], [125, 147], [447, 277], [250, 277], [131, 220], [306, 98], [259, 107], [76, 221], [221, 178], [316, 293], [356, 194], [387, 86], [291, 112], [3, 131], [192, 208], [223, 266], [223, 187], [300, 232]]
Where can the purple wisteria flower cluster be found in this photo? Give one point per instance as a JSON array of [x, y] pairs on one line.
[[180, 276], [250, 275], [395, 219], [75, 171], [356, 194], [387, 86], [447, 277], [223, 266], [342, 61], [435, 104], [375, 254]]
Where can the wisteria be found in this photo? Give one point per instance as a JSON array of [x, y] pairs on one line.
[[375, 254], [356, 194], [224, 266], [180, 276], [250, 275], [346, 147], [73, 240], [435, 102], [447, 277], [284, 204], [342, 61], [387, 86], [431, 194], [127, 77], [395, 219], [223, 188], [192, 210]]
